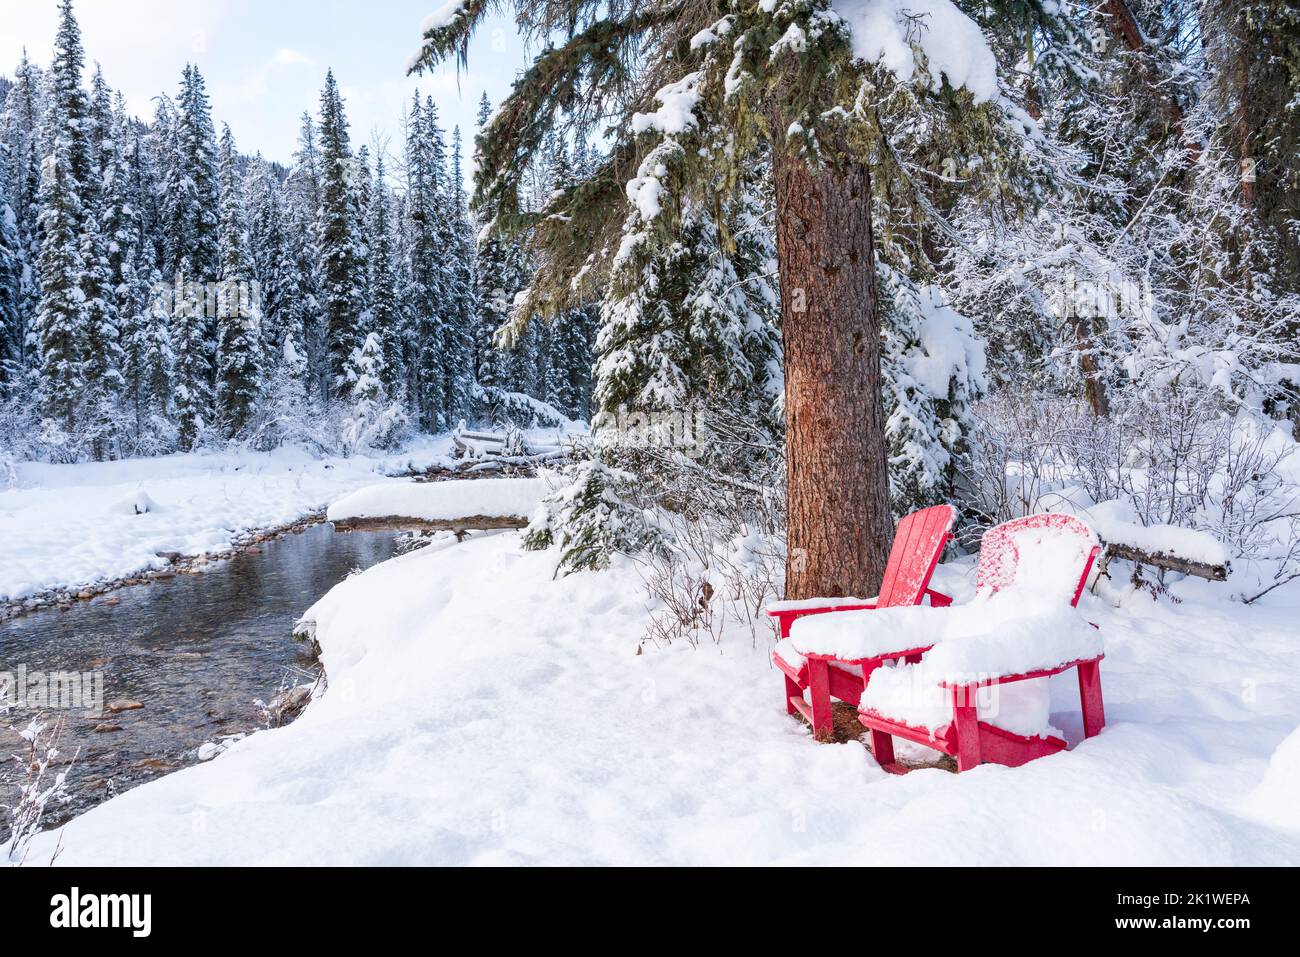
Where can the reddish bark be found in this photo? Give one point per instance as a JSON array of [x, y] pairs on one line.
[[839, 521]]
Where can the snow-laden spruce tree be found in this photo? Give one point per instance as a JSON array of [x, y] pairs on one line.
[[239, 309], [459, 308], [11, 268], [20, 128], [385, 305], [373, 421], [190, 190], [590, 518], [191, 374], [61, 322], [693, 323], [101, 366], [304, 319], [691, 90], [285, 415], [272, 267], [934, 371], [147, 356], [340, 263]]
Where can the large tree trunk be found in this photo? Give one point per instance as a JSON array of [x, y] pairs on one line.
[[838, 489], [1124, 25]]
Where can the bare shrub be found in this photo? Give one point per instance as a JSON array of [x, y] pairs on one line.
[[722, 512], [40, 786], [1178, 456]]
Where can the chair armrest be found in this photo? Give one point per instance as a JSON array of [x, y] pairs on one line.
[[938, 599], [788, 616]]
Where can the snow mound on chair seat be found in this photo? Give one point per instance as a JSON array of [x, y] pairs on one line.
[[912, 694], [1006, 633], [1017, 644], [443, 501], [786, 651]]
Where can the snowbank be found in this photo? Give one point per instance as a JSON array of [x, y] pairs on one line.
[[69, 526], [443, 501], [480, 712]]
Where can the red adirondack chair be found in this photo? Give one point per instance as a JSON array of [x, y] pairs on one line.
[[1002, 567], [918, 544]]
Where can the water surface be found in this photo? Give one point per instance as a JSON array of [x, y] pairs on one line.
[[198, 651]]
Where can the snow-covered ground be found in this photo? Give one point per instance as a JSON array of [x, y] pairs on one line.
[[481, 712], [66, 526]]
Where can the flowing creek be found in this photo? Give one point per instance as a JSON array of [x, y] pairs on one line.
[[198, 651]]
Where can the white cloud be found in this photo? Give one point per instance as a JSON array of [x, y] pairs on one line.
[[287, 57], [264, 62]]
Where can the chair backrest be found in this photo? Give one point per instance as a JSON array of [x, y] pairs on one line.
[[1045, 554], [918, 546]]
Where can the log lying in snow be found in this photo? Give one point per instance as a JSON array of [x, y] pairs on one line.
[[399, 523], [1186, 550], [1214, 573], [440, 506]]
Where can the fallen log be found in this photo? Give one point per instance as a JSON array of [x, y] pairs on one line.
[[400, 523], [1213, 573]]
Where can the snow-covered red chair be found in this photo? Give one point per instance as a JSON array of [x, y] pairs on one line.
[[980, 694], [918, 544]]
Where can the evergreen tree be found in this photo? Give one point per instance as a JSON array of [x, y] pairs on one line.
[[270, 260], [721, 80], [191, 374], [305, 320], [238, 306], [458, 306], [11, 266], [373, 421], [61, 323], [69, 116], [102, 353], [155, 351], [428, 245], [384, 305], [340, 263], [502, 272], [147, 355], [99, 137], [20, 122], [193, 183]]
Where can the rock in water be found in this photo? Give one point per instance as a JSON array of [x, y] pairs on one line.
[[288, 704], [124, 704]]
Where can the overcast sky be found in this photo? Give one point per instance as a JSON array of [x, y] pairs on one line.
[[265, 62]]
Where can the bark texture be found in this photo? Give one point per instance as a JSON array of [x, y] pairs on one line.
[[840, 524], [1125, 26]]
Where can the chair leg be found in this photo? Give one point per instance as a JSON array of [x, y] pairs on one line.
[[792, 690], [819, 687], [1094, 709], [882, 747], [966, 724]]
